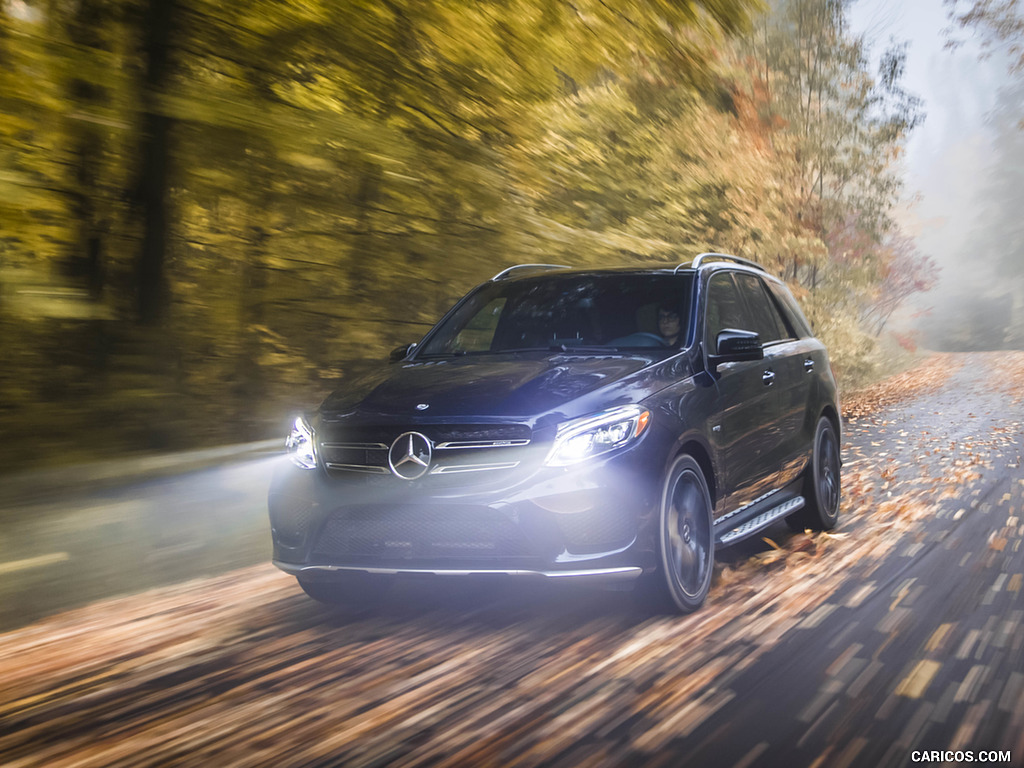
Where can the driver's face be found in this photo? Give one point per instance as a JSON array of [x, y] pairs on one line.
[[668, 323]]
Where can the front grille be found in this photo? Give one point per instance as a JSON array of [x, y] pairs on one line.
[[421, 531], [457, 449], [597, 530]]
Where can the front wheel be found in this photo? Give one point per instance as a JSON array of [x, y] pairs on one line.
[[687, 541], [822, 482]]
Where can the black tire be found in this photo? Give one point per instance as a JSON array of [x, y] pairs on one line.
[[351, 591], [822, 482], [686, 539]]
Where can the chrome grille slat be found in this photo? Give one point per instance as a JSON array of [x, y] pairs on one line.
[[370, 468], [480, 444], [357, 446], [448, 469]]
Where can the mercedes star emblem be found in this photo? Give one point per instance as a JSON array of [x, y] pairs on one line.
[[409, 455]]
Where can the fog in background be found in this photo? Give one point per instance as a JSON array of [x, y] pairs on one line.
[[964, 193]]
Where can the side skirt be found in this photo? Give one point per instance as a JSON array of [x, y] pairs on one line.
[[756, 516]]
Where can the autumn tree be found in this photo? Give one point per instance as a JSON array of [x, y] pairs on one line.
[[814, 86], [251, 194], [999, 22]]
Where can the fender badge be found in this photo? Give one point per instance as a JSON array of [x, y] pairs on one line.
[[422, 406]]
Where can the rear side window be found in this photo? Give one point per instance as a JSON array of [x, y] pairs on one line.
[[764, 318], [791, 309]]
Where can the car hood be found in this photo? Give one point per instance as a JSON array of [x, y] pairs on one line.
[[512, 386]]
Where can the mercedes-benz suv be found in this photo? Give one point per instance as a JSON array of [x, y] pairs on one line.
[[571, 424]]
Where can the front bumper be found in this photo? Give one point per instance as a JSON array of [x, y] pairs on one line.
[[585, 523]]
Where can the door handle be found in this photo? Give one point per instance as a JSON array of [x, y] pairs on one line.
[[808, 365], [768, 377]]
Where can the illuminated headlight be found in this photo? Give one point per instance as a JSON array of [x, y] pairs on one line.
[[590, 436], [300, 444]]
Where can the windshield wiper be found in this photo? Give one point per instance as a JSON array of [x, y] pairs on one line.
[[590, 349], [583, 348], [565, 348], [453, 353]]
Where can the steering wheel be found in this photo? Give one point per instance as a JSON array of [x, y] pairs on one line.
[[633, 339], [652, 336]]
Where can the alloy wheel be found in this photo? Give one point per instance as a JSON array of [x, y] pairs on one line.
[[687, 540]]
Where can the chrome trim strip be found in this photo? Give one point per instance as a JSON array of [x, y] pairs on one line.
[[480, 444], [357, 446], [452, 469], [622, 573], [371, 469]]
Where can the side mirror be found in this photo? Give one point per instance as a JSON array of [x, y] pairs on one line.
[[400, 353], [735, 346]]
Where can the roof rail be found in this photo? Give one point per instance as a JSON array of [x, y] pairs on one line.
[[505, 272], [728, 257]]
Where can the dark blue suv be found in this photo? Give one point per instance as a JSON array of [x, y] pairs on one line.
[[605, 425]]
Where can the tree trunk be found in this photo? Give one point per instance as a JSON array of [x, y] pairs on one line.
[[250, 388], [154, 165], [85, 261], [366, 251]]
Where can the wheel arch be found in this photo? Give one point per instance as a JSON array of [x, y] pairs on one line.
[[700, 454], [832, 415]]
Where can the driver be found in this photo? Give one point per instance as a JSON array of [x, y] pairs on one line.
[[668, 325]]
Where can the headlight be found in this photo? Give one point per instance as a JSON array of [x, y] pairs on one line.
[[300, 444], [591, 436]]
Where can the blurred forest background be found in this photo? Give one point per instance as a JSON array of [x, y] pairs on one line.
[[206, 208]]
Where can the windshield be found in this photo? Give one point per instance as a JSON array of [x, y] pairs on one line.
[[583, 312]]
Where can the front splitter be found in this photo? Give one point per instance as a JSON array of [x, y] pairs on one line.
[[624, 573]]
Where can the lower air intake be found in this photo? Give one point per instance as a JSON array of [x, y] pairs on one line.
[[412, 532]]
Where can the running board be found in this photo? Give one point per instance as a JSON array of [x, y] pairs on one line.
[[755, 524]]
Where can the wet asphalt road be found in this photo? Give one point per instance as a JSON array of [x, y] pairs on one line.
[[67, 541], [922, 650], [902, 632]]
